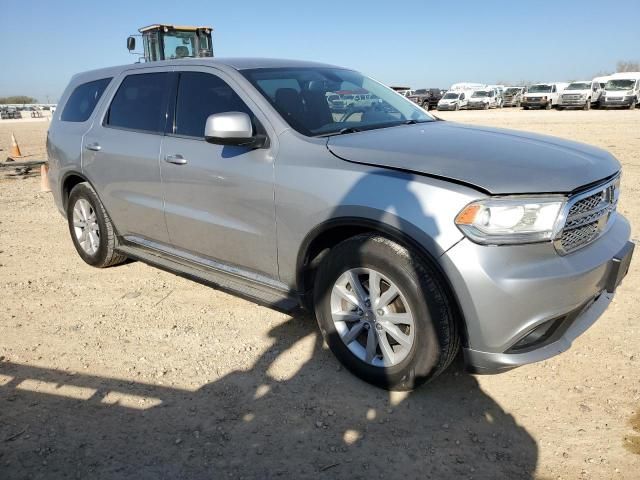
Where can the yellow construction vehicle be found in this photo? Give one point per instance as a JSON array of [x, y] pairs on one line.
[[166, 42]]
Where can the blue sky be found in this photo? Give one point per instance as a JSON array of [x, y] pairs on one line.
[[421, 44]]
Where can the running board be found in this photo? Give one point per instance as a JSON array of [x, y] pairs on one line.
[[279, 300]]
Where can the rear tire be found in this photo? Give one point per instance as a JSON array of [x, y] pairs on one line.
[[422, 298], [91, 228]]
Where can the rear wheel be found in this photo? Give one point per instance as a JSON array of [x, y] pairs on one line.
[[91, 229], [385, 313]]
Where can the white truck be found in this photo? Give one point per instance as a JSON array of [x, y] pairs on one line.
[[622, 90], [582, 94], [543, 95]]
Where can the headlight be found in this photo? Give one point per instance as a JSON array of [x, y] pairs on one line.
[[510, 220]]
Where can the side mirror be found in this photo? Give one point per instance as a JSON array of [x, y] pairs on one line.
[[131, 43], [232, 128]]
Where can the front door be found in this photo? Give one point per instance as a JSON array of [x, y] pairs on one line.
[[219, 200]]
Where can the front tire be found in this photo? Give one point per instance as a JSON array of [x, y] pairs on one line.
[[587, 105], [385, 313], [91, 228], [549, 105]]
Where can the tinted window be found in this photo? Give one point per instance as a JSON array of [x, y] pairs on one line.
[[140, 103], [83, 100], [201, 95]]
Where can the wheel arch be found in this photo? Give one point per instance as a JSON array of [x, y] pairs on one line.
[[70, 180], [326, 235]]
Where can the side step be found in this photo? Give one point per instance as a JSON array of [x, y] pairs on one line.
[[285, 302]]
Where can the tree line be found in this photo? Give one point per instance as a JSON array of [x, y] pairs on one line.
[[17, 99]]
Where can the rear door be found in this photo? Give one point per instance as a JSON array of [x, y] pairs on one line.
[[219, 200], [121, 153]]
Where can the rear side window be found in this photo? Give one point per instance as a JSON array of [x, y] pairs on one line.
[[200, 95], [83, 100], [140, 103]]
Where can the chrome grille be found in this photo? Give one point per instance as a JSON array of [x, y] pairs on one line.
[[587, 217]]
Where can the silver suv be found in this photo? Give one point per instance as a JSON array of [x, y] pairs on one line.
[[409, 237]]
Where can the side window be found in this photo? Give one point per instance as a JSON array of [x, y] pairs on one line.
[[200, 95], [83, 100], [553, 90], [462, 96], [140, 103]]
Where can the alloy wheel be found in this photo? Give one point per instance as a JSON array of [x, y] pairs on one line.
[[372, 317], [85, 226]]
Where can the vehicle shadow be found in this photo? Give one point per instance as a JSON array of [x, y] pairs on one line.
[[320, 422]]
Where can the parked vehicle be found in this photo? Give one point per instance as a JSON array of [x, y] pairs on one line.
[[453, 100], [543, 95], [622, 90], [499, 89], [10, 113], [427, 98], [513, 96], [408, 237], [483, 99], [583, 94]]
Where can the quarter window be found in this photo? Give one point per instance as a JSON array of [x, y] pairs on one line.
[[140, 103], [83, 100], [200, 95]]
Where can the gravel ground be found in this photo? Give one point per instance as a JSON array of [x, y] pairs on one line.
[[132, 372]]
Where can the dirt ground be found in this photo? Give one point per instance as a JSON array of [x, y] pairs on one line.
[[132, 372]]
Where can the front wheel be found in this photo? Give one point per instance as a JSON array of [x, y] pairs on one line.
[[633, 104], [385, 313], [91, 229], [457, 107], [425, 105], [548, 106], [587, 105]]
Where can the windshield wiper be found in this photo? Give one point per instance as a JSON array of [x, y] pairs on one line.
[[348, 130]]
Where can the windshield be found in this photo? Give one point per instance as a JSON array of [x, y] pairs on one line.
[[579, 86], [451, 95], [540, 89], [179, 44], [299, 96], [511, 91], [620, 84], [420, 91], [480, 94]]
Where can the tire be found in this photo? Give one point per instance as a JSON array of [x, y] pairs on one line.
[[435, 340], [457, 107], [104, 255], [486, 106], [633, 104], [425, 105], [525, 108], [587, 105], [549, 105], [559, 108]]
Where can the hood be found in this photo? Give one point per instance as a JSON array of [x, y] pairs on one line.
[[494, 160]]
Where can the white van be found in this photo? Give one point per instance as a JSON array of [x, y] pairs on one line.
[[543, 95], [454, 100], [622, 90], [583, 94], [484, 99]]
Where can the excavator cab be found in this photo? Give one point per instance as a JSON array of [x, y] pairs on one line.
[[167, 42]]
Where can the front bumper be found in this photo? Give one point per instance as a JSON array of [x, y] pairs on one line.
[[446, 107], [506, 292], [534, 102], [617, 101], [476, 106]]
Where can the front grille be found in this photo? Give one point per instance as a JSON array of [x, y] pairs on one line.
[[588, 216]]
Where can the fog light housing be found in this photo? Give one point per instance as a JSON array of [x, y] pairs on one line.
[[536, 336]]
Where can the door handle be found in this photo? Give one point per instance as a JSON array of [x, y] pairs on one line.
[[176, 159], [95, 147]]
